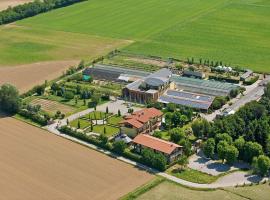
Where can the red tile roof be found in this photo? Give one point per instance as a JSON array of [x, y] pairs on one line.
[[138, 118], [155, 143], [132, 122]]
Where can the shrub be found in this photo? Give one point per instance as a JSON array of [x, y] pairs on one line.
[[68, 95], [119, 147]]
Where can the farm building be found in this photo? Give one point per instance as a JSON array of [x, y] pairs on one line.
[[194, 100], [194, 74], [208, 87], [170, 150], [149, 88], [143, 121], [112, 73]]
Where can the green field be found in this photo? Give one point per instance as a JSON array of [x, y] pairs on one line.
[[160, 190], [236, 32]]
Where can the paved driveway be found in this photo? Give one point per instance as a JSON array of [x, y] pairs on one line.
[[213, 167]]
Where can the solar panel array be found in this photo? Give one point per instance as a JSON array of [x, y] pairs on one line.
[[214, 88], [184, 102], [188, 95]]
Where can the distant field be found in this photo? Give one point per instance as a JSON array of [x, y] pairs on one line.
[[23, 45], [6, 3], [36, 164], [236, 32], [171, 191]]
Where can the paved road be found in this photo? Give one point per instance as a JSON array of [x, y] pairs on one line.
[[253, 93]]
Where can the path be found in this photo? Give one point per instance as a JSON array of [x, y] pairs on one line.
[[236, 178]]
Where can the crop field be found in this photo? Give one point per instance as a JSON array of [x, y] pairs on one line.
[[36, 164], [234, 32], [170, 191], [6, 3], [24, 77], [52, 106]]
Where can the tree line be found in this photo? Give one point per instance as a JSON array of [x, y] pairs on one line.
[[19, 12]]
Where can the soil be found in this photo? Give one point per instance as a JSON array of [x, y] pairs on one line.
[[35, 164], [25, 77]]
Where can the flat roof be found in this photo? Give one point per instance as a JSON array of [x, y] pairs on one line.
[[193, 100]]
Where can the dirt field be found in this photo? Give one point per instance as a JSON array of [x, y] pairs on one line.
[[24, 77], [52, 106], [6, 3], [35, 164]]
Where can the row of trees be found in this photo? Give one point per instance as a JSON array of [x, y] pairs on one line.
[[31, 9]]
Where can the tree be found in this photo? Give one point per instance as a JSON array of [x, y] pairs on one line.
[[119, 147], [252, 149], [79, 124], [183, 161], [171, 107], [40, 89], [81, 65], [231, 154], [209, 148], [10, 101], [186, 146], [104, 130], [223, 137], [200, 128], [168, 119], [261, 165], [157, 134], [107, 110], [221, 150], [103, 139], [239, 144], [176, 134], [156, 160], [119, 113]]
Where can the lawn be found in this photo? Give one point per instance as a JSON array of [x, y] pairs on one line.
[[96, 115], [84, 123], [193, 175], [110, 131], [115, 119], [235, 32]]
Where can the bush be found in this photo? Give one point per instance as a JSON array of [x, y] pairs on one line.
[[119, 147], [69, 95], [155, 160], [35, 117]]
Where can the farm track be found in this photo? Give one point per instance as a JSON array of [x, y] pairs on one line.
[[39, 165]]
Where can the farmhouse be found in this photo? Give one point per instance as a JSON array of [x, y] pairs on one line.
[[143, 121], [170, 150], [149, 88]]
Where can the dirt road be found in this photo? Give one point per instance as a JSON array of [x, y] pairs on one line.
[[35, 164]]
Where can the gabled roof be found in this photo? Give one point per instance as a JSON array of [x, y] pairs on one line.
[[138, 118], [155, 143]]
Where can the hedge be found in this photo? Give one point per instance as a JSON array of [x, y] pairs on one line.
[[34, 117]]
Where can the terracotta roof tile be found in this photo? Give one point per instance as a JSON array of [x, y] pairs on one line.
[[155, 143]]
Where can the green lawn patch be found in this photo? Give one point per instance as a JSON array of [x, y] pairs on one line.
[[84, 123], [115, 120], [192, 175], [96, 115], [110, 131]]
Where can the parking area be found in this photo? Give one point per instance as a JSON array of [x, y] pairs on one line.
[[214, 167]]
